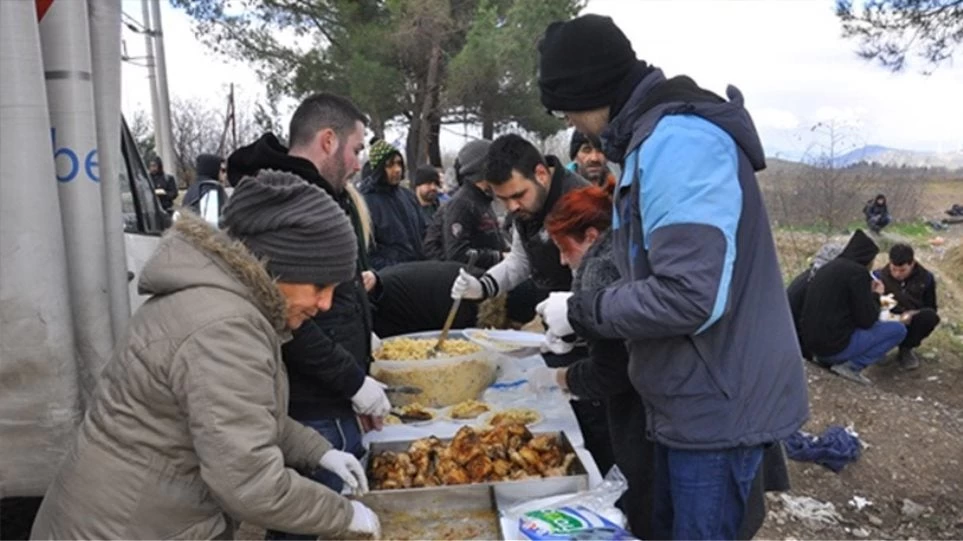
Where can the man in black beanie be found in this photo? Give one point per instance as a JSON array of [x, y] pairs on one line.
[[588, 160], [712, 348], [427, 184]]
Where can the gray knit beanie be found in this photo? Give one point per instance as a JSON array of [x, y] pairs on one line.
[[301, 231], [470, 163]]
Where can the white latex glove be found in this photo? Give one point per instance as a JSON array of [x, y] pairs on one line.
[[554, 344], [364, 521], [554, 312], [543, 378], [347, 467], [467, 286], [371, 398]]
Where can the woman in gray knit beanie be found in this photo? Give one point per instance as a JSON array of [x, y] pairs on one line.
[[200, 373], [303, 236]]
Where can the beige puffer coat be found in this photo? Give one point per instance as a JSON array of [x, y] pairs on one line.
[[188, 428]]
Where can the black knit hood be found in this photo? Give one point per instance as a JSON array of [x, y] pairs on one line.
[[860, 249]]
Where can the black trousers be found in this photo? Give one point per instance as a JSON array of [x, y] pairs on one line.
[[920, 327]]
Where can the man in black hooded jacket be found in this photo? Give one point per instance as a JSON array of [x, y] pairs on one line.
[[840, 317], [328, 357]]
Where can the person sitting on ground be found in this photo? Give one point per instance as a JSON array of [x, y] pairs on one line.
[[468, 224], [800, 284], [588, 160], [188, 432], [914, 290], [840, 316], [206, 196], [399, 224], [877, 214], [427, 183]]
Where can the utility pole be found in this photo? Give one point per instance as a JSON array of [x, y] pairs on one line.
[[160, 144], [163, 97]]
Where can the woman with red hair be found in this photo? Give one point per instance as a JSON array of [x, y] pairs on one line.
[[579, 225]]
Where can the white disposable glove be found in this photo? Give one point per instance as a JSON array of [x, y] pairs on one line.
[[375, 342], [554, 344], [467, 286], [347, 467], [543, 378], [554, 312], [371, 399], [364, 521]]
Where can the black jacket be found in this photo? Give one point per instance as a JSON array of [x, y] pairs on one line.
[[167, 183], [207, 168], [604, 376], [918, 291], [416, 296], [547, 271], [329, 355], [399, 224], [797, 299], [467, 224], [840, 299]]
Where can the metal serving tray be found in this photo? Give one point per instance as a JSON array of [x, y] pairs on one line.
[[506, 492]]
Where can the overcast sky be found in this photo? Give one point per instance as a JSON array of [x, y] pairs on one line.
[[786, 56]]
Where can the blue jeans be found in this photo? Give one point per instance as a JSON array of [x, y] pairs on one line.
[[868, 346], [702, 494], [344, 433]]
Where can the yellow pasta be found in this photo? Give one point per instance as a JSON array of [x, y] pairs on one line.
[[416, 349]]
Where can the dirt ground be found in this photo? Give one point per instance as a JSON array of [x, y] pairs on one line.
[[910, 422]]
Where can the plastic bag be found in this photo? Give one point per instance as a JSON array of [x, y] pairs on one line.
[[584, 515]]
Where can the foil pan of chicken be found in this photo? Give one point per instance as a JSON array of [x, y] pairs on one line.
[[513, 462]]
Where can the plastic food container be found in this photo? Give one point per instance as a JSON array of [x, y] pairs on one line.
[[444, 381]]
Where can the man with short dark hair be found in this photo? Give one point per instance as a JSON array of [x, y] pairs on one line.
[[329, 355], [529, 185], [588, 160], [427, 184], [914, 290]]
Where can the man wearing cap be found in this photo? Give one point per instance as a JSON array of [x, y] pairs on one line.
[[399, 224], [188, 431], [588, 160], [713, 353], [468, 224], [427, 183]]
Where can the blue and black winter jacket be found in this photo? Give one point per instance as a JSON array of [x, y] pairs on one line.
[[713, 352]]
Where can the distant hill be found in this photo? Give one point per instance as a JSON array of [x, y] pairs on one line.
[[897, 157], [886, 156]]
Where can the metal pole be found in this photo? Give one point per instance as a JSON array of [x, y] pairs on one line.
[[65, 40], [162, 94], [38, 371], [105, 62], [159, 143]]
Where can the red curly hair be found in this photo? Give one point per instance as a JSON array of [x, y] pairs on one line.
[[579, 210]]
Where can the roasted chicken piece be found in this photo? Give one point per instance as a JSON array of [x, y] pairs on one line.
[[544, 442], [501, 469], [465, 446], [479, 469], [563, 469]]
